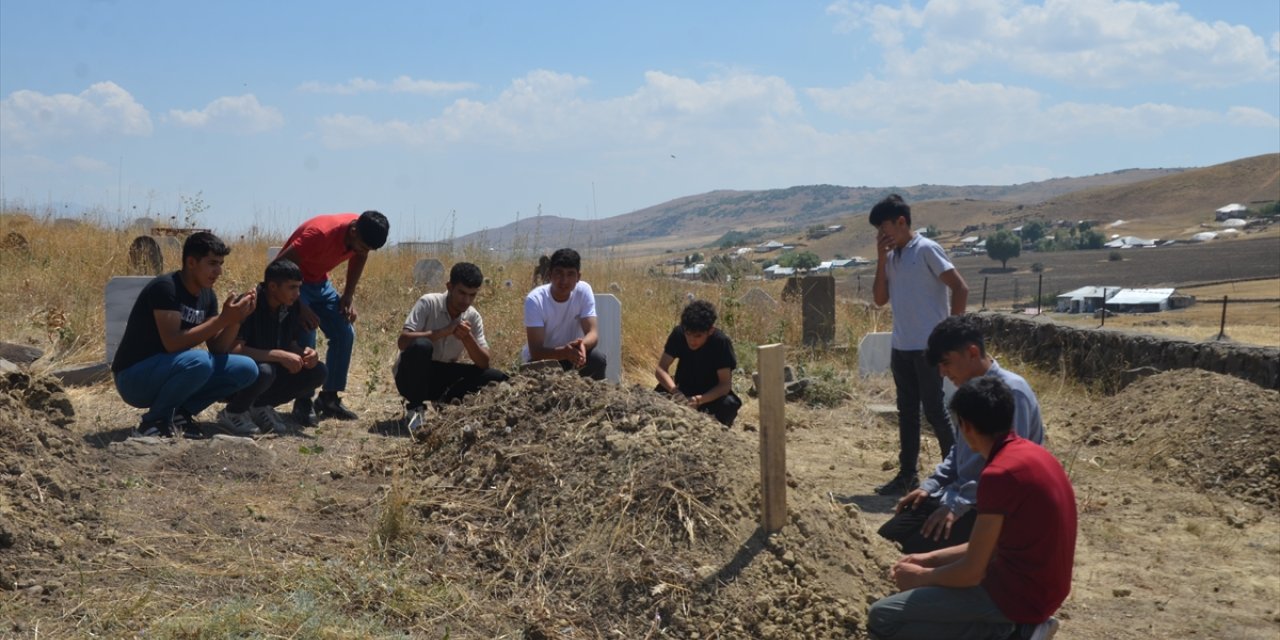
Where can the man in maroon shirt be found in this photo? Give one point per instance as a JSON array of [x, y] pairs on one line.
[[320, 244], [1015, 571]]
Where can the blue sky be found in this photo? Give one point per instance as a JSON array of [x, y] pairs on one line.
[[461, 116]]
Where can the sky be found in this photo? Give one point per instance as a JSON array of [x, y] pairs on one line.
[[453, 117]]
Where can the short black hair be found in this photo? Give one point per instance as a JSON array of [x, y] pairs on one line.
[[282, 271], [698, 316], [466, 274], [954, 334], [201, 244], [567, 258], [372, 227], [891, 208], [986, 403]]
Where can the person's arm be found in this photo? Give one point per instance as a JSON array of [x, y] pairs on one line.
[[211, 331], [722, 388], [944, 568], [959, 290], [535, 336], [880, 287], [590, 332], [664, 378], [287, 359], [355, 267], [478, 353]]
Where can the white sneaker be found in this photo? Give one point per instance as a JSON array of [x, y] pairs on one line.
[[1045, 630], [414, 419], [240, 424], [268, 420]]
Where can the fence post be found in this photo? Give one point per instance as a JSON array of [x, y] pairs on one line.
[[1039, 290], [984, 293], [1104, 307], [1222, 328], [773, 435]]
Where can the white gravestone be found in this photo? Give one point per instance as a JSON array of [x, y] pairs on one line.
[[873, 353], [272, 252], [609, 329], [120, 294]]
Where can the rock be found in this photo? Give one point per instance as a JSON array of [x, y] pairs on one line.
[[83, 375], [8, 367], [1121, 592], [19, 353]]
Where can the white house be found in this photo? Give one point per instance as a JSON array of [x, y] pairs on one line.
[[1230, 211], [777, 271], [1146, 301], [1084, 299], [1129, 242], [694, 272]]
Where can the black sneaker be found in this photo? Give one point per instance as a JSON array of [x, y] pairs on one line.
[[330, 406], [185, 423], [900, 485], [303, 413], [158, 428]]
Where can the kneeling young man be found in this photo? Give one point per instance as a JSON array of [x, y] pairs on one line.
[[157, 366], [704, 375], [560, 319], [1015, 571], [287, 371], [939, 513], [437, 331]]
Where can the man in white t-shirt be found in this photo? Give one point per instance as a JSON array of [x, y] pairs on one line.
[[437, 331], [560, 319]]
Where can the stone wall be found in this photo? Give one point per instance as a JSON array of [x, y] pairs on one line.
[[1114, 358]]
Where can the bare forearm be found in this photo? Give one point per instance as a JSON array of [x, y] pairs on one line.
[[665, 379], [478, 354], [355, 268]]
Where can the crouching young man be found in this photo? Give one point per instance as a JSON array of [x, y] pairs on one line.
[[287, 371], [704, 374], [157, 366], [1015, 571], [437, 331], [560, 319]]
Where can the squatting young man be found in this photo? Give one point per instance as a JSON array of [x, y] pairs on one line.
[[560, 319], [704, 373]]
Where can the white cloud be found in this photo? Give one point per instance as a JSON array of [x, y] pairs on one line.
[[1103, 43], [401, 84], [27, 117], [38, 164], [1252, 117], [239, 114], [88, 165]]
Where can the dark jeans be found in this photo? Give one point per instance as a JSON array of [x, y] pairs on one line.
[[917, 382], [929, 613], [904, 528], [724, 409], [420, 379], [187, 380], [276, 386], [594, 368]]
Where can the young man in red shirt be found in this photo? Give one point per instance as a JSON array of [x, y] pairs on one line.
[[319, 245], [1015, 571]]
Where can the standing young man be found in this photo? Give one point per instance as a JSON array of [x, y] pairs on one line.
[[437, 331], [287, 371], [320, 244], [939, 513], [915, 277], [157, 366], [560, 319], [704, 375], [1015, 571]]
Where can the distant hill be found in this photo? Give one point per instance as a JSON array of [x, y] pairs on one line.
[[701, 219]]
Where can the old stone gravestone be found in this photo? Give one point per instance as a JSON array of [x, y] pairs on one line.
[[818, 297], [758, 299], [429, 273], [145, 257], [609, 328]]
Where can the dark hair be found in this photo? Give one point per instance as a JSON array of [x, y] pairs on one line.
[[698, 316], [201, 244], [372, 227], [986, 403], [891, 208], [567, 258], [466, 274], [282, 271], [954, 334]]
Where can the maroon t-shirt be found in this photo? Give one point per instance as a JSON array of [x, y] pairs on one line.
[[1030, 572]]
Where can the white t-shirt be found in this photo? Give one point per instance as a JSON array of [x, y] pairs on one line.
[[562, 320], [430, 313]]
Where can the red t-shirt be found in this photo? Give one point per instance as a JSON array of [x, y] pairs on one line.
[[321, 244], [1030, 572]]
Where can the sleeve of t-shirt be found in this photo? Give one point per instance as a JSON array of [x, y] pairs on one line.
[[477, 330], [417, 318], [163, 296], [588, 302], [937, 260], [724, 357], [672, 347], [1026, 418], [997, 492], [533, 310]]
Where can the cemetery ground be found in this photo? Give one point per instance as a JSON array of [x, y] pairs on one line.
[[551, 507]]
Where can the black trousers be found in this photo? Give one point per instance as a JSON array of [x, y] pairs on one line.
[[594, 368], [904, 528], [724, 409], [918, 383], [420, 379], [276, 386]]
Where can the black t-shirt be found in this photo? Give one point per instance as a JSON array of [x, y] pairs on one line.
[[164, 293], [267, 329], [696, 371]]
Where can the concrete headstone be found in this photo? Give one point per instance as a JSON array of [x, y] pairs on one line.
[[873, 353], [429, 273], [120, 293], [272, 252], [609, 327], [818, 300]]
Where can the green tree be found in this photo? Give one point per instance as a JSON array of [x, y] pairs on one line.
[[799, 259], [1003, 245], [1090, 239], [1033, 231]]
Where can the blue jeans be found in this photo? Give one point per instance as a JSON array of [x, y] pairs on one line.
[[929, 613], [326, 303], [189, 380]]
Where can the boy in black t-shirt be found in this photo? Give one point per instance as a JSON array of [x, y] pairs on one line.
[[287, 371], [704, 376], [157, 366]]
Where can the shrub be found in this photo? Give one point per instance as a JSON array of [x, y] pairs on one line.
[[1115, 256]]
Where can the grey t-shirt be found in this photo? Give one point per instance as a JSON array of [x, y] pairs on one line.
[[430, 313], [918, 296]]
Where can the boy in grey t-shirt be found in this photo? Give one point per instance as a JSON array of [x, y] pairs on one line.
[[915, 277]]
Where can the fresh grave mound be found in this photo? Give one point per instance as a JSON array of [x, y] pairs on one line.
[[43, 507], [1196, 427], [572, 509]]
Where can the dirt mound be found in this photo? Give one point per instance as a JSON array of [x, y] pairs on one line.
[[42, 480], [573, 509], [1195, 428]]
